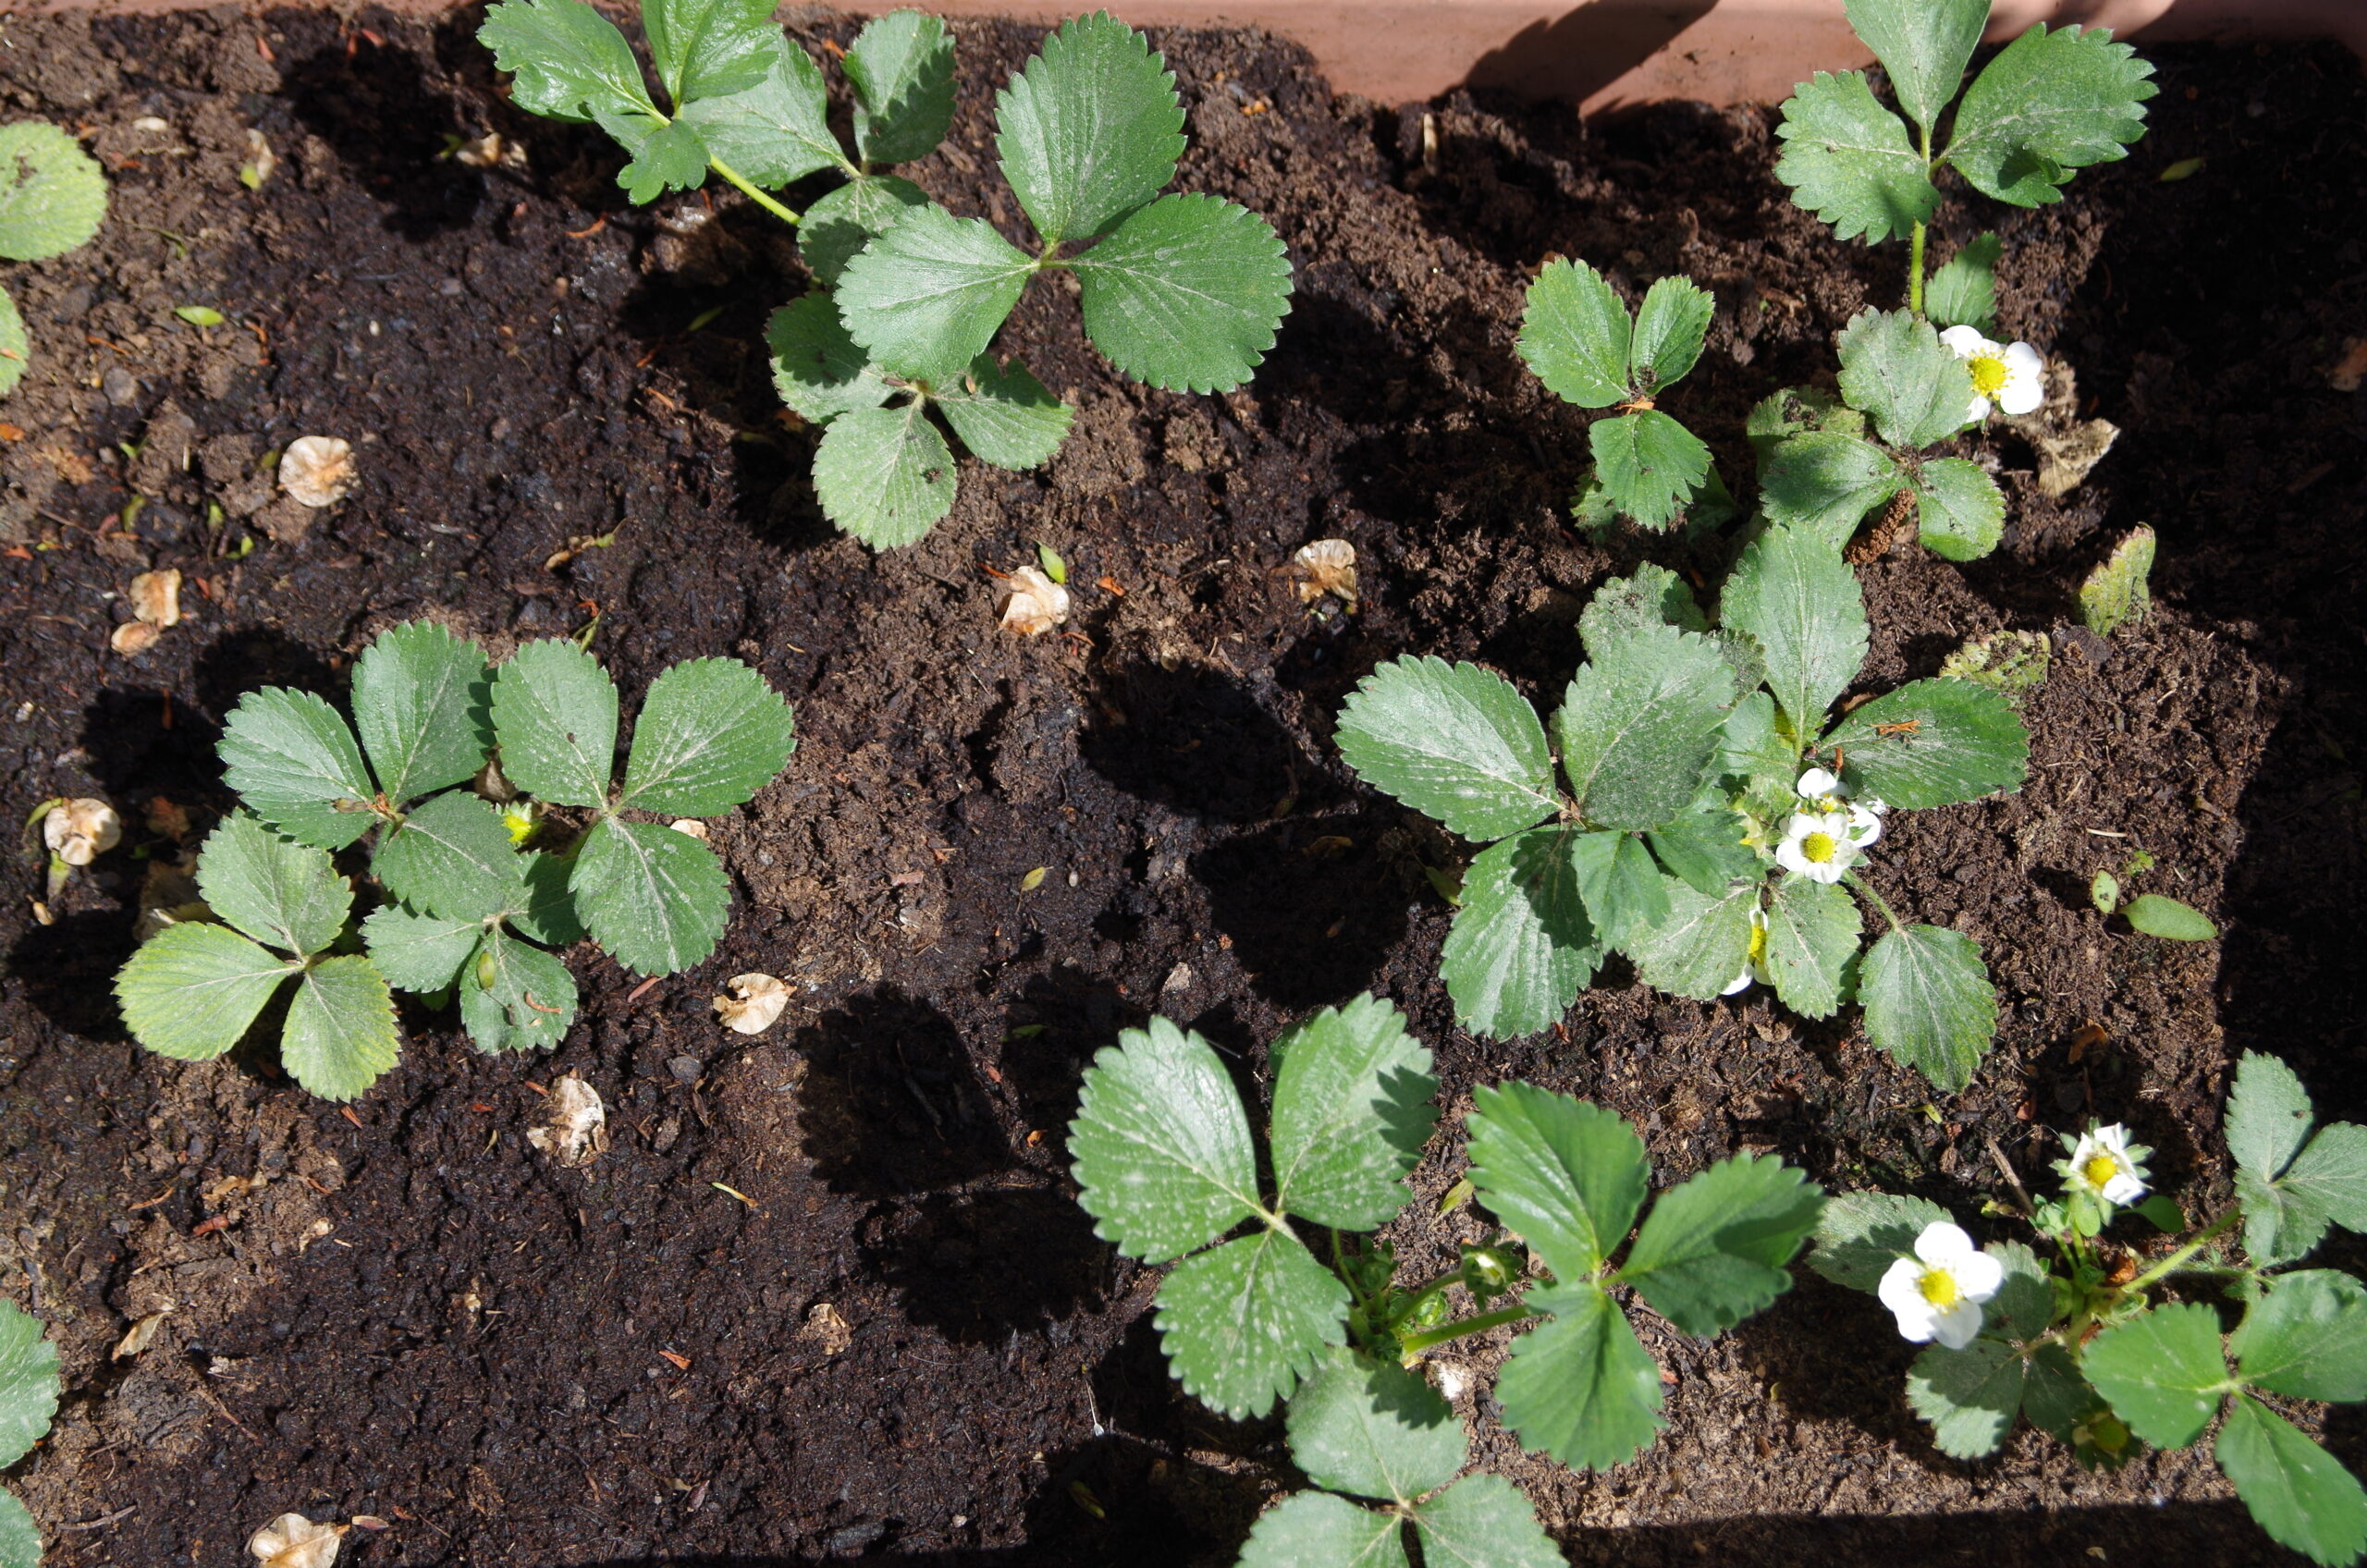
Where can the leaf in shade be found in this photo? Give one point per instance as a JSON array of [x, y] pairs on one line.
[[1351, 1111], [900, 66], [1850, 162]]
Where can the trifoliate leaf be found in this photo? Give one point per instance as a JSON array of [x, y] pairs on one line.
[[571, 62], [1932, 743], [1091, 129], [1521, 948], [2162, 1372], [421, 700], [817, 369], [1483, 1522], [1653, 597], [1352, 1110], [708, 48], [1714, 1248], [1859, 1235], [927, 296], [514, 997], [2049, 102], [900, 66], [20, 1537], [555, 711], [548, 914], [2117, 591], [273, 888], [666, 155], [712, 732], [1929, 1002], [1801, 604], [1704, 847], [1850, 162], [1622, 889], [1799, 411], [29, 1384], [657, 899], [2307, 1337], [1648, 465], [1924, 45], [1582, 1388], [1161, 1144], [1456, 742], [1241, 1324], [53, 195], [1317, 1530], [294, 764], [774, 131], [15, 349], [1670, 327], [1895, 370], [1959, 512], [2056, 1398], [1004, 415], [1186, 293], [1825, 484], [1702, 946], [2298, 1492], [1970, 1396], [1811, 936], [1373, 1429], [885, 475], [419, 953], [340, 1036], [1638, 725], [193, 990], [845, 219], [1963, 292], [2169, 919], [2268, 1116], [453, 857], [1567, 1176], [1577, 335]]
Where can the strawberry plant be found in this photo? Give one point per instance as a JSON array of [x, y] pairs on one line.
[[29, 1384], [53, 197]]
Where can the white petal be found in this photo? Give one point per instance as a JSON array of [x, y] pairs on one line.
[[1977, 1275], [1788, 856], [2021, 394], [1967, 341], [2022, 358], [1978, 412], [1742, 983], [1958, 1326], [1942, 1242], [2114, 1138], [1829, 873], [1865, 828], [1902, 1291], [1817, 782], [2124, 1188]]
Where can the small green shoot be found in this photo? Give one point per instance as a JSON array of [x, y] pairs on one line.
[[2152, 913]]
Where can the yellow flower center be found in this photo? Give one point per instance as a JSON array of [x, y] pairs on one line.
[[2099, 1169], [1938, 1288], [1817, 847], [1988, 373], [1758, 944], [521, 823]]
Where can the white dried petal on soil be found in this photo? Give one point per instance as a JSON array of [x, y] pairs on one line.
[[754, 1005], [1032, 603], [261, 160], [827, 1328], [139, 1336], [317, 469], [1326, 566], [575, 1129], [156, 597], [134, 638], [79, 829], [689, 827], [293, 1541]]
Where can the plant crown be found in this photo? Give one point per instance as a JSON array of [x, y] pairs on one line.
[[29, 1387], [53, 197]]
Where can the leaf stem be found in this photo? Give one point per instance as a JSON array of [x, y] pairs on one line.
[[1865, 890], [2171, 1264], [749, 191], [1424, 1339], [1915, 242]]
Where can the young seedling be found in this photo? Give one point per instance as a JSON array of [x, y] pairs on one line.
[[2010, 662], [2119, 589], [53, 197], [1716, 807], [2078, 1343], [2150, 913], [29, 1386]]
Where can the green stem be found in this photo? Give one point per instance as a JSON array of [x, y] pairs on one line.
[[1865, 890], [2170, 1265], [1424, 1339], [1915, 242], [759, 197]]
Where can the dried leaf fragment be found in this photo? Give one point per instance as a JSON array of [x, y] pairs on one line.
[[574, 1128], [689, 828], [293, 1541], [261, 161], [2065, 460], [139, 1336], [1326, 566], [1032, 603], [134, 638], [317, 469], [156, 597], [754, 1005], [2350, 373], [79, 829], [827, 1328]]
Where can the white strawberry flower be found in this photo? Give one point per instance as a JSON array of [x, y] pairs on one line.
[[1819, 846], [1937, 1293], [2010, 374], [1754, 966], [1826, 794], [2105, 1164]]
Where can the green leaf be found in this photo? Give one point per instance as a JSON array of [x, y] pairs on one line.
[[1521, 948], [927, 296], [666, 155], [1653, 597], [571, 62], [1352, 1110], [2307, 1337], [1004, 415], [657, 899], [1799, 411], [1929, 1002], [2268, 1115], [2116, 591], [1161, 1144], [711, 734], [341, 1035], [1091, 129], [1897, 371], [1825, 483], [29, 1384], [885, 475], [1850, 162], [294, 764], [900, 66], [1241, 1324], [1963, 741], [1649, 465], [1859, 1235], [1812, 930], [2298, 1492], [817, 369], [1705, 848], [1800, 603], [199, 315], [1670, 324], [1752, 751], [1456, 742], [453, 857], [1317, 1530], [845, 219], [1576, 334], [421, 698], [514, 997], [1567, 1176], [548, 914], [1714, 1249], [708, 48], [14, 350], [2162, 1372], [2330, 1176], [273, 888], [1186, 293], [2056, 1398], [1639, 723], [19, 1537], [1959, 513], [1970, 1396], [419, 953], [53, 195], [2024, 1306], [1924, 44], [1963, 292], [1373, 1429], [774, 129], [1483, 1522], [2011, 662], [194, 989], [1580, 1387], [1622, 889], [2169, 919], [2049, 104], [1701, 946], [555, 711]]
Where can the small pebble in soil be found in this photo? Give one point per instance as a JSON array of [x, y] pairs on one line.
[[120, 386], [686, 1069]]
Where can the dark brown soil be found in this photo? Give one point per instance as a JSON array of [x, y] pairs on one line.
[[420, 1319]]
